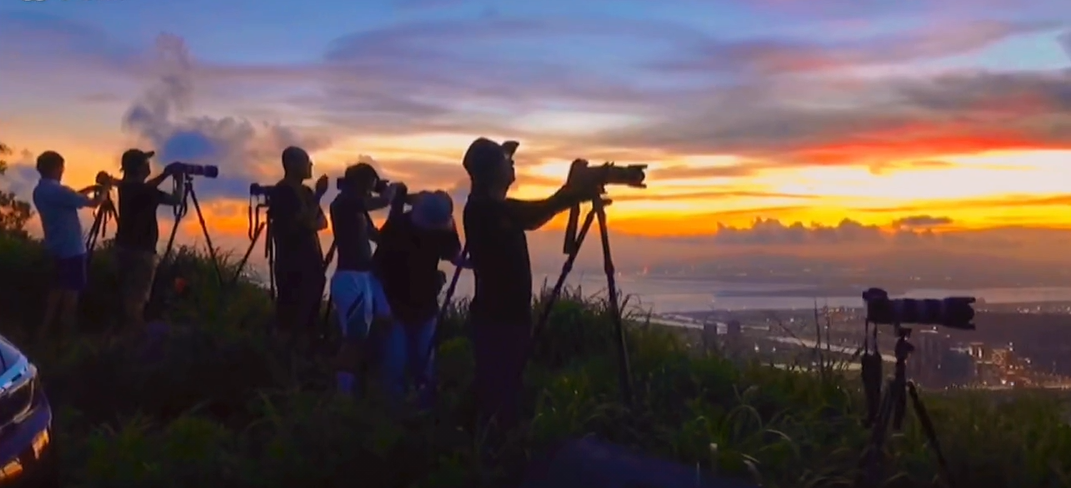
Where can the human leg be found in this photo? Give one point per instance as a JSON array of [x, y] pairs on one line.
[[70, 282], [422, 365], [137, 269], [352, 299], [500, 352]]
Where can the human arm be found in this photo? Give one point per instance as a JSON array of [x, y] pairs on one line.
[[533, 214], [450, 244], [68, 197]]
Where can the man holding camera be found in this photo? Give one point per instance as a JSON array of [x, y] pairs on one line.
[[357, 295], [58, 206], [138, 230], [411, 245], [501, 309], [296, 219]]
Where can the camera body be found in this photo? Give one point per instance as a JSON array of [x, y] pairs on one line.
[[378, 187], [196, 169], [951, 312], [258, 190], [105, 179]]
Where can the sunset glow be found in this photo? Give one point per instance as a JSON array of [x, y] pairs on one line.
[[910, 117]]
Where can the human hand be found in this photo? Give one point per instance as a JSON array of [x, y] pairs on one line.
[[584, 182], [322, 184], [390, 191]]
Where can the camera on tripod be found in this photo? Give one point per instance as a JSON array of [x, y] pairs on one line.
[[105, 179], [258, 190], [609, 173], [951, 312], [206, 171]]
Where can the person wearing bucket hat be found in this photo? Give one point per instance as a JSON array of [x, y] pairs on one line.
[[411, 245], [501, 308]]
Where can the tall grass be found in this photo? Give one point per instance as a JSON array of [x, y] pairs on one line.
[[219, 405]]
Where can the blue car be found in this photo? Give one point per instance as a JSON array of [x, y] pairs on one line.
[[26, 451]]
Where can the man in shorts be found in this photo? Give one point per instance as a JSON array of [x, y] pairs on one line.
[[58, 206], [138, 231], [295, 219], [356, 294]]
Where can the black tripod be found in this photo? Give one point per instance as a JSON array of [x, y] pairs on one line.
[[104, 214], [258, 226], [892, 406], [573, 242], [180, 211]]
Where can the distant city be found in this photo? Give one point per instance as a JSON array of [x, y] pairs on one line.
[[1025, 345]]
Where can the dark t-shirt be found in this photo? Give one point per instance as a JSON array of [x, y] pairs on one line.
[[352, 228], [498, 251], [406, 263], [138, 228], [297, 243]]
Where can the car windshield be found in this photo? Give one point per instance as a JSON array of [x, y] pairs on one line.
[[9, 355]]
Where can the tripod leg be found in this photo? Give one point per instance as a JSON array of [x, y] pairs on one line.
[[204, 229], [874, 451], [433, 344], [624, 368], [930, 432], [548, 305], [245, 257]]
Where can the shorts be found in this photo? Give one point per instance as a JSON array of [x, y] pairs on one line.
[[137, 268], [70, 273], [298, 296], [359, 299]]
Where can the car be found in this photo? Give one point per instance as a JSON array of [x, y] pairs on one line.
[[27, 457]]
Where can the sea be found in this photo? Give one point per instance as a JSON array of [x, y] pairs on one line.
[[677, 295]]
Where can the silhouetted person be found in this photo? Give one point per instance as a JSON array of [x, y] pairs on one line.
[[296, 219], [411, 245], [58, 207], [501, 309], [138, 230], [356, 293]]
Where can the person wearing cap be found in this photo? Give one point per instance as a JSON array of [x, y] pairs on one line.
[[501, 307], [357, 295], [411, 246], [295, 219], [138, 231], [58, 206]]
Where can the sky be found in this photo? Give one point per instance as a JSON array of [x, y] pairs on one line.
[[817, 128]]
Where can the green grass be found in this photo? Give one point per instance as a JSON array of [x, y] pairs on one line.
[[225, 408]]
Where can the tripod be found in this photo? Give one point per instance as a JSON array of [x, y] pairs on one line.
[[892, 407], [573, 241], [258, 202], [180, 211], [104, 214]]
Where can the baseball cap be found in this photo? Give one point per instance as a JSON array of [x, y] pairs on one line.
[[361, 173], [433, 210], [134, 158], [482, 157]]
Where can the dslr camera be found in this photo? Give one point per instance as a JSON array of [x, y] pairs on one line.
[[195, 169], [378, 187], [258, 190], [951, 312]]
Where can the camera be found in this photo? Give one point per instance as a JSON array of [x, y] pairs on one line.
[[609, 173], [105, 179], [951, 312], [378, 187], [257, 190], [197, 170]]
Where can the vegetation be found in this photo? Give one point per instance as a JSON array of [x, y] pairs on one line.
[[218, 405]]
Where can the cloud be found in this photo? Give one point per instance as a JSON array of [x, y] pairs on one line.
[[921, 222], [244, 150], [772, 56], [36, 37]]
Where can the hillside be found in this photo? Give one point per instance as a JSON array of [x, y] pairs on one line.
[[218, 405]]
